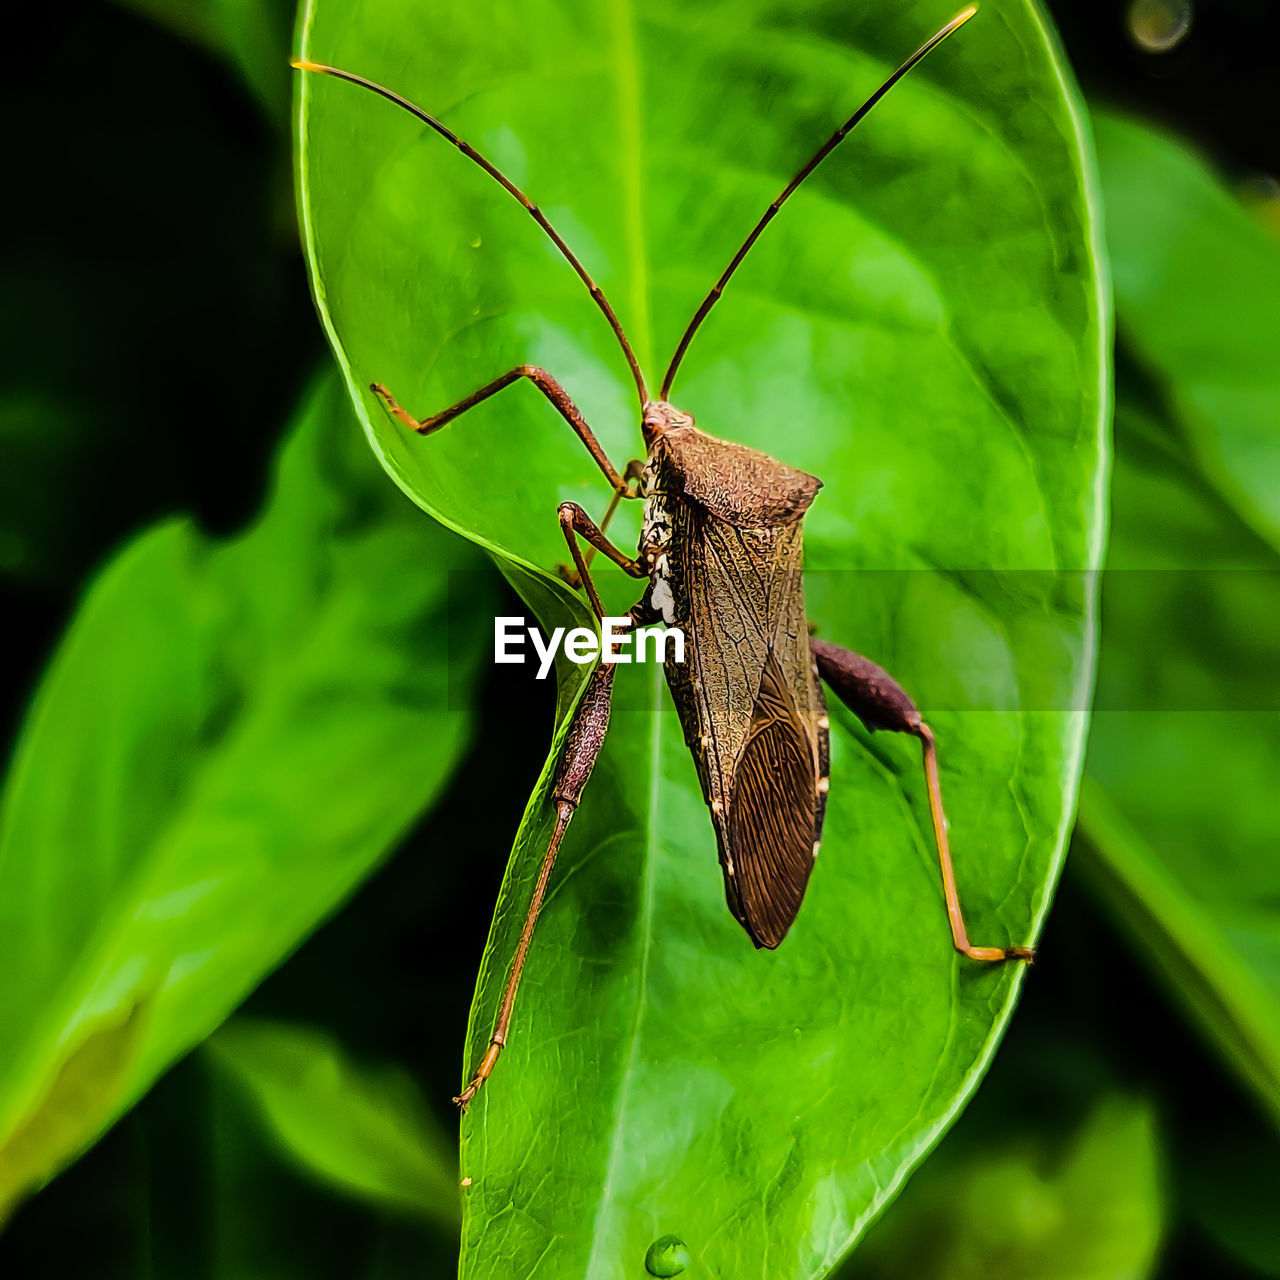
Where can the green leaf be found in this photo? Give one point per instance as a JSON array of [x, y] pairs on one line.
[[363, 1130], [228, 740], [259, 1218], [1087, 1209], [189, 1187], [924, 328], [1197, 283], [1178, 816]]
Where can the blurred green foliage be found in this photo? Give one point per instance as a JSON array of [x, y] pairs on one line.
[[1087, 1207], [366, 1131], [249, 34], [1176, 235], [228, 740], [1179, 830], [1128, 1125]]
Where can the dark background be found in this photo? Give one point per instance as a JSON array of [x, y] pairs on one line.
[[154, 333]]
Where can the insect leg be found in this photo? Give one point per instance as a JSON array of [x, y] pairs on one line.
[[634, 472], [582, 746], [545, 383], [575, 523], [877, 699]]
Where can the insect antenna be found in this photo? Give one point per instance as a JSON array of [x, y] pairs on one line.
[[494, 172], [815, 160]]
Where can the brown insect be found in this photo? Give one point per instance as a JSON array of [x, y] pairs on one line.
[[721, 546]]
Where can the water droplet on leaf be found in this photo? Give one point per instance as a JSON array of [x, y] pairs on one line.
[[667, 1256], [476, 242]]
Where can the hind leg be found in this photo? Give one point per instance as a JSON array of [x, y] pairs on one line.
[[877, 699]]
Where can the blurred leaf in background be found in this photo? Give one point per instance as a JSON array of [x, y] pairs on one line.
[[229, 739], [191, 1186], [365, 1131], [1197, 281], [272, 1218], [1084, 1207], [1180, 828], [253, 35]]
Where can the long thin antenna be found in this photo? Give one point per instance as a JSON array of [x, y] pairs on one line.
[[818, 157], [534, 212]]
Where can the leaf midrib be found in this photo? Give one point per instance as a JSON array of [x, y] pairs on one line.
[[641, 335]]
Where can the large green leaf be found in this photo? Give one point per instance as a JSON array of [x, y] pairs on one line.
[[1178, 814], [228, 740], [925, 329]]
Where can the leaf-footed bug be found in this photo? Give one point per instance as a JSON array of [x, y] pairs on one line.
[[753, 714]]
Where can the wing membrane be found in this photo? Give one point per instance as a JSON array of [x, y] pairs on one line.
[[772, 813], [749, 703]]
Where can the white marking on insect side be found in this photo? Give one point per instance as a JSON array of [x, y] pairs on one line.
[[655, 537], [662, 600]]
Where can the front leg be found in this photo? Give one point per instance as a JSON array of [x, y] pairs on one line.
[[877, 699], [575, 524], [634, 472], [581, 747], [545, 383]]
